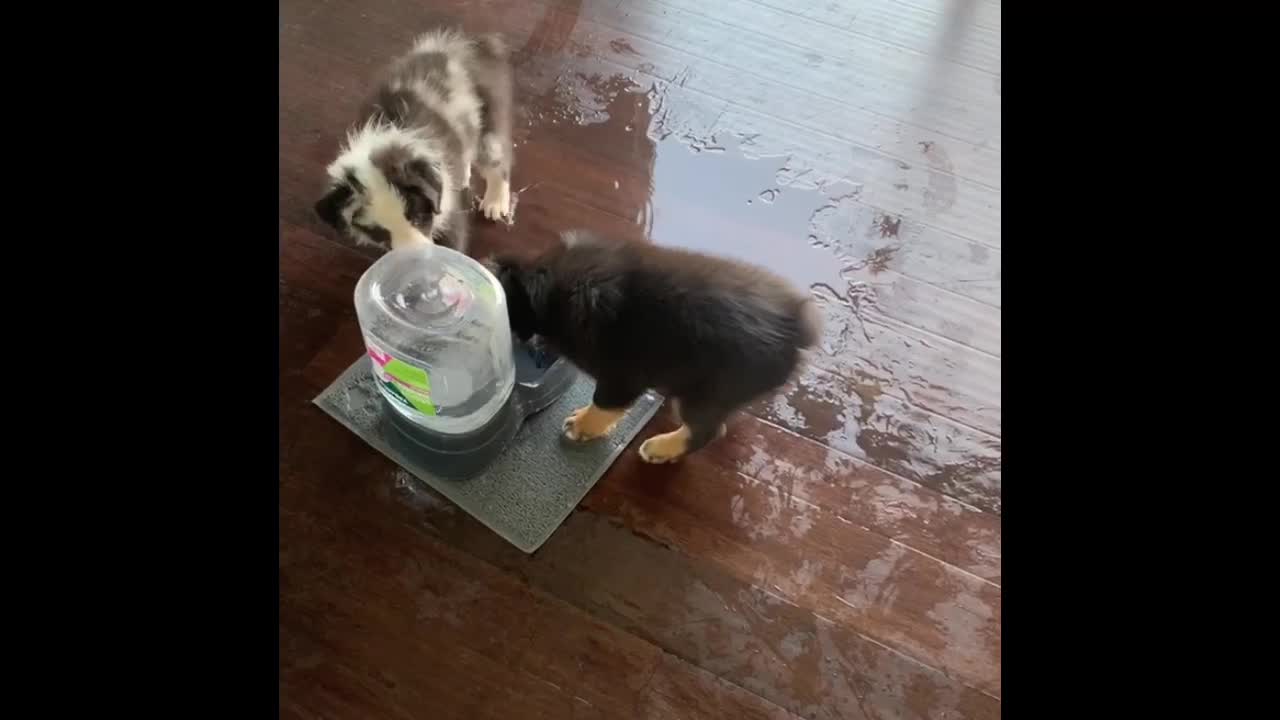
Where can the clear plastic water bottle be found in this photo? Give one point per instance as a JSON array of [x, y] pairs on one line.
[[436, 329]]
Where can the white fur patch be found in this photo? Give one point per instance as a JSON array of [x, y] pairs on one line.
[[443, 40], [493, 147], [462, 106], [383, 205]]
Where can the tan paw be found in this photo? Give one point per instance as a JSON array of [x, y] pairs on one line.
[[665, 448], [589, 423]]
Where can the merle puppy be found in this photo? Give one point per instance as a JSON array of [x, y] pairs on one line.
[[402, 174], [710, 333]]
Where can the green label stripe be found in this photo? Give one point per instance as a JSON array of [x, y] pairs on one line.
[[407, 374], [395, 391], [410, 384], [411, 399], [423, 404]]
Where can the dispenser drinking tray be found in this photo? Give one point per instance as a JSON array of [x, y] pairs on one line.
[[517, 475]]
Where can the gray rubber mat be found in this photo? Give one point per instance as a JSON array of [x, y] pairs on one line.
[[531, 487]]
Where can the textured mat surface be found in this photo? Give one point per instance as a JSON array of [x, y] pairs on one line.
[[531, 487]]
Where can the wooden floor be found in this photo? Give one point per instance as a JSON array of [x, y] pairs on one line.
[[837, 555]]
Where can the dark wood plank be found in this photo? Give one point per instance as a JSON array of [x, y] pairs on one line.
[[814, 558], [907, 26], [381, 620], [764, 534], [860, 416], [864, 495], [736, 630], [760, 48]]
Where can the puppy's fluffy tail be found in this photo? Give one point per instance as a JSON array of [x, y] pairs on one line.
[[810, 324]]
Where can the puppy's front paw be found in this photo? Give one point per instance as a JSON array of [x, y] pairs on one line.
[[410, 240], [571, 430], [589, 423], [496, 204], [665, 448]]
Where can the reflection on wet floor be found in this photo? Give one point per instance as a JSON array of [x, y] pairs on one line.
[[715, 201], [908, 373]]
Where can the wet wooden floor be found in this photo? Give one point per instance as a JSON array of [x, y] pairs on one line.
[[837, 555]]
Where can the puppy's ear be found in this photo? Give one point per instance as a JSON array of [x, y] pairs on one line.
[[493, 265], [507, 275], [524, 291], [329, 207]]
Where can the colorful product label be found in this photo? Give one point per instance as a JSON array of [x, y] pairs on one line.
[[408, 385]]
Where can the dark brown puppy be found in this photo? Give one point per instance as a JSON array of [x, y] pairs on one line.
[[711, 333]]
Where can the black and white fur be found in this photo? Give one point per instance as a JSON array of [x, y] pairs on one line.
[[402, 174]]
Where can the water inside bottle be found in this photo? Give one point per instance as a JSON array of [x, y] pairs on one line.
[[436, 328]]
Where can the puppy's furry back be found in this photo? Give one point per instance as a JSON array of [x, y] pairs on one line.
[[439, 110], [643, 316]]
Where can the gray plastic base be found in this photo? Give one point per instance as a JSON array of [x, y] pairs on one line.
[[540, 380], [518, 475]]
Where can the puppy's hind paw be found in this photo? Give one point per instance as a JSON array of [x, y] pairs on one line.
[[665, 448]]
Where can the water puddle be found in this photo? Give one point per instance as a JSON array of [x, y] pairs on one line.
[[719, 202]]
